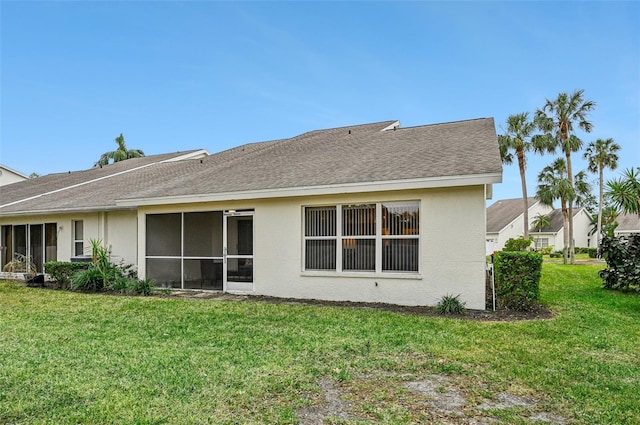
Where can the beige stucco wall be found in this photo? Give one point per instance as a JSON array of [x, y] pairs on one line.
[[452, 249], [116, 229]]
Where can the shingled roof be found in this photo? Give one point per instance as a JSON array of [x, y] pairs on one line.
[[503, 212], [355, 155], [628, 223]]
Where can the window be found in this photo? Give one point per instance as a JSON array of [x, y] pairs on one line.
[[381, 237], [78, 238], [541, 243]]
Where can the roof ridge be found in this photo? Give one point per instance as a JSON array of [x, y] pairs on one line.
[[444, 123]]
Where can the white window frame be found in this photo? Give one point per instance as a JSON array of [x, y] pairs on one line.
[[77, 241], [378, 237]]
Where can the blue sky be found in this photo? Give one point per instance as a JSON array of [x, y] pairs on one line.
[[176, 76]]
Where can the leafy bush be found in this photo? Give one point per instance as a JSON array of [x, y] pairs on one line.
[[61, 271], [593, 252], [518, 244], [517, 279], [622, 255], [90, 279], [450, 304], [546, 250], [131, 285], [556, 254], [142, 286]]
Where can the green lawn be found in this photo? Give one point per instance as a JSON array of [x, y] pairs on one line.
[[76, 358]]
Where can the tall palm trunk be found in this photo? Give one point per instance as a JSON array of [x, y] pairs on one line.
[[599, 235], [565, 230], [572, 248], [525, 199]]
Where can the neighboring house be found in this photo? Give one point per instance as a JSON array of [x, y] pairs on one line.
[[8, 176], [369, 213], [505, 221], [627, 224], [553, 235]]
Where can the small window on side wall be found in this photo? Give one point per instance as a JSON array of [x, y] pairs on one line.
[[78, 238]]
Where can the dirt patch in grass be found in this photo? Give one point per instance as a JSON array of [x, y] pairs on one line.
[[439, 399]]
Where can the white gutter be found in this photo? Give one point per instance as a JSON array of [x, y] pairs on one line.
[[434, 182]]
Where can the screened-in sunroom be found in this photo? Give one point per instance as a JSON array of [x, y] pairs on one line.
[[36, 243], [211, 250]]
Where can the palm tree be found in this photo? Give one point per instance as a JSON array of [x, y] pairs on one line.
[[120, 154], [601, 154], [517, 138], [624, 192], [540, 222], [565, 111], [553, 184], [607, 224]]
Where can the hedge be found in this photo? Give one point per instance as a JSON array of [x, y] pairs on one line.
[[622, 255], [61, 271], [517, 279]]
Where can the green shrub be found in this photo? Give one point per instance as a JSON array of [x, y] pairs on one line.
[[556, 254], [90, 279], [450, 304], [593, 252], [517, 278], [61, 271], [546, 250], [622, 255], [120, 284], [142, 286], [518, 244]]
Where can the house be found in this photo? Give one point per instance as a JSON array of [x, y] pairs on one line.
[[368, 213], [553, 235], [505, 220], [9, 175], [627, 224]]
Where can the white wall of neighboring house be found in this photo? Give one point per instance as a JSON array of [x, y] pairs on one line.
[[581, 228], [8, 176], [515, 229]]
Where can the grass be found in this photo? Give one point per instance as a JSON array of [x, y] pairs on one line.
[[77, 358]]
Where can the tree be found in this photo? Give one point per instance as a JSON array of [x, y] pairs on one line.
[[539, 222], [624, 193], [557, 119], [517, 139], [120, 154], [607, 224], [554, 184], [601, 154]]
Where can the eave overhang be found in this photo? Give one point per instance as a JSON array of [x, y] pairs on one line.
[[374, 186]]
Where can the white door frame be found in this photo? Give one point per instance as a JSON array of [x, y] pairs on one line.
[[236, 286]]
